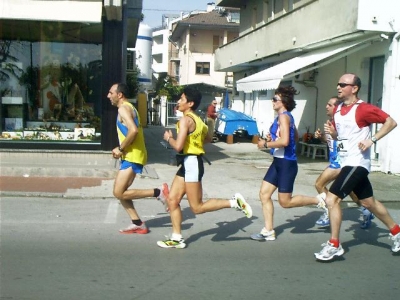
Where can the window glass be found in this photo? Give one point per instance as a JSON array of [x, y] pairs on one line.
[[202, 68], [50, 83]]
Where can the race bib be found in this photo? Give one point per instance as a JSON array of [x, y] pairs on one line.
[[343, 147]]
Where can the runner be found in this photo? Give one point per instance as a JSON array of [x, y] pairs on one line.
[[133, 156], [283, 170], [332, 171], [191, 135], [351, 127]]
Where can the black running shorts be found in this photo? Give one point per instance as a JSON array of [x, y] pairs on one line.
[[352, 179]]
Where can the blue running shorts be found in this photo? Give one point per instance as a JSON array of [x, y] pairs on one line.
[[137, 168], [282, 173]]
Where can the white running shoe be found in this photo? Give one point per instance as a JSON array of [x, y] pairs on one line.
[[329, 251], [172, 244], [396, 242], [264, 235], [243, 205], [321, 202]]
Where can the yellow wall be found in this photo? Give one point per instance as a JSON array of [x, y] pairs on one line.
[[142, 108]]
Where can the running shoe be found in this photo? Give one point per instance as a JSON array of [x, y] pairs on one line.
[[243, 205], [396, 242], [142, 229], [172, 244], [164, 192], [323, 221], [264, 235], [321, 201], [367, 217], [329, 251]]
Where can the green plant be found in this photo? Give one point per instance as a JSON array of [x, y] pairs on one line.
[[30, 79], [133, 83], [168, 86]]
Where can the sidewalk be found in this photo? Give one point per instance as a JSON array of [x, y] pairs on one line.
[[237, 167]]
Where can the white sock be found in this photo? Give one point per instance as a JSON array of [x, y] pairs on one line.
[[176, 237], [265, 231], [233, 203]]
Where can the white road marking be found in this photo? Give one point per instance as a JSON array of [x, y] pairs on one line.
[[112, 211]]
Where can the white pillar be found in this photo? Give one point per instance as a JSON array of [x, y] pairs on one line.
[[389, 146]]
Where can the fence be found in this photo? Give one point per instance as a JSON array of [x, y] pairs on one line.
[[172, 114]]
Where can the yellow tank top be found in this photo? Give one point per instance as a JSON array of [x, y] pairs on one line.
[[135, 152], [194, 141]]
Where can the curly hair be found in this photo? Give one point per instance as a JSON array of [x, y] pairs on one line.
[[287, 95]]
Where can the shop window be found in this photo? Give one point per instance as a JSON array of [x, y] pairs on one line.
[[202, 68], [50, 90]]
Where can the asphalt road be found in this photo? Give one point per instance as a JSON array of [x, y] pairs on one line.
[[65, 244], [53, 248]]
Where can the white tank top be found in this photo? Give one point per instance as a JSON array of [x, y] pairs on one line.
[[349, 136]]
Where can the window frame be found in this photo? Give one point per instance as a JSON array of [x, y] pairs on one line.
[[203, 63]]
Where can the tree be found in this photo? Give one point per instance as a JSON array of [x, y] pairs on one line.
[[168, 86], [132, 81]]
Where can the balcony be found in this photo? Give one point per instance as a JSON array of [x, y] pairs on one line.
[[157, 49], [174, 55], [315, 22]]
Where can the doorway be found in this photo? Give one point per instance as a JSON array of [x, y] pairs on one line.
[[377, 65]]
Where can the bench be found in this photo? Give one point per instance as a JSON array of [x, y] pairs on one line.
[[314, 150]]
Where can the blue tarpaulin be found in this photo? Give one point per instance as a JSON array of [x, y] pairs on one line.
[[230, 121]]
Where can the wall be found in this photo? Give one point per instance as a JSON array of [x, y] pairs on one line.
[[199, 48]]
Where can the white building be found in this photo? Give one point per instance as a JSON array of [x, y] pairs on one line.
[[163, 51], [197, 37], [310, 44]]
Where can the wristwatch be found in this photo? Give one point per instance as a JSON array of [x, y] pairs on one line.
[[374, 139]]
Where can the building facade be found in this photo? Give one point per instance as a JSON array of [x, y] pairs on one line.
[[196, 38], [184, 48], [58, 60], [309, 44]]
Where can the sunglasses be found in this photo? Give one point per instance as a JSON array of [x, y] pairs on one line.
[[342, 84], [274, 99]]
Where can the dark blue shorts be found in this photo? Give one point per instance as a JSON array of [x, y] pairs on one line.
[[282, 174]]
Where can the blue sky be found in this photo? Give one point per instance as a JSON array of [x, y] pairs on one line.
[[154, 9]]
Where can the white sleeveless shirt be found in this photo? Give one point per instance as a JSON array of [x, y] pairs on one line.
[[349, 136]]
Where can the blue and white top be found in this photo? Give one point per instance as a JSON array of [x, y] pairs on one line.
[[288, 152], [334, 158]]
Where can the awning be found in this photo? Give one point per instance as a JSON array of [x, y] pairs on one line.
[[270, 78], [67, 11]]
